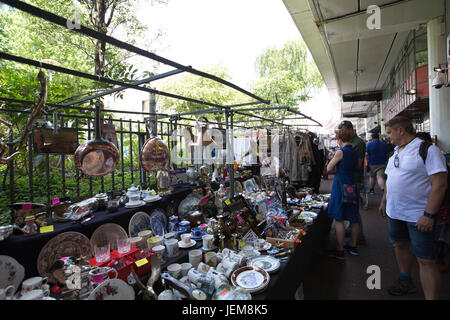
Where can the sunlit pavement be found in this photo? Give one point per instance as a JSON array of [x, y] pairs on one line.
[[332, 279]]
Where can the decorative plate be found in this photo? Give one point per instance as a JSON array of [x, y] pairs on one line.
[[66, 244], [188, 205], [253, 279], [11, 272], [158, 221], [139, 203], [112, 289], [139, 221], [110, 232], [266, 262]]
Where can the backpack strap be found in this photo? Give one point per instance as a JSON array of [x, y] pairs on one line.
[[423, 150]]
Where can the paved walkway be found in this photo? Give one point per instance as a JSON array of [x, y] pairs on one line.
[[333, 279]]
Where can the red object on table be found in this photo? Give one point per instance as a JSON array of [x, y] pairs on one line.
[[124, 262]]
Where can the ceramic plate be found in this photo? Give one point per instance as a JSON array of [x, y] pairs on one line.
[[188, 205], [268, 263], [139, 221], [153, 199], [158, 221], [310, 214], [110, 232], [11, 272], [253, 279], [182, 245], [66, 244], [112, 289], [139, 203]]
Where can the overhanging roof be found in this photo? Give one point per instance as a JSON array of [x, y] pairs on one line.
[[352, 58]]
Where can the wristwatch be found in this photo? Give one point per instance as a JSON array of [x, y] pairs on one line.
[[429, 215]]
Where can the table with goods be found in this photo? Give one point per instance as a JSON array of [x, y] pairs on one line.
[[185, 242]]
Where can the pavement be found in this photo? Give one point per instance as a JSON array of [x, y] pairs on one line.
[[333, 279]]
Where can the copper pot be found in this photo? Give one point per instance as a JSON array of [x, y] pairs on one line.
[[154, 154], [97, 157]]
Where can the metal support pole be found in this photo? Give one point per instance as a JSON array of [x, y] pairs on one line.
[[231, 173]]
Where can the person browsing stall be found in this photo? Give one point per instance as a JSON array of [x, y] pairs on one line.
[[343, 204], [412, 197], [377, 156]]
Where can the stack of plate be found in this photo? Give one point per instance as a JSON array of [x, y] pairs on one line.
[[253, 279]]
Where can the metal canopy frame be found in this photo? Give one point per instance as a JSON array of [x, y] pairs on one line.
[[179, 68]]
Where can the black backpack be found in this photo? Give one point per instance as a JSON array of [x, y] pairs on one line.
[[423, 152]]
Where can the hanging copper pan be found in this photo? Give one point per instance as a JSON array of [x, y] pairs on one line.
[[97, 157], [154, 154]]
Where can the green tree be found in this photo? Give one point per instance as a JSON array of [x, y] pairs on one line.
[[24, 35], [287, 76]]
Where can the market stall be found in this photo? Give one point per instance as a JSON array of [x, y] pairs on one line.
[[217, 230]]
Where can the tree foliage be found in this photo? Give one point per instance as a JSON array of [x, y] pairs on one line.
[[287, 76]]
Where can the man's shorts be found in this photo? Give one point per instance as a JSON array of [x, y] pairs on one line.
[[377, 170], [422, 243]]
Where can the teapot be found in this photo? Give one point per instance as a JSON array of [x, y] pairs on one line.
[[134, 194]]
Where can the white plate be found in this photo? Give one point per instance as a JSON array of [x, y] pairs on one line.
[[139, 221], [268, 263], [310, 214], [182, 245], [139, 203], [11, 272], [153, 199], [112, 289]]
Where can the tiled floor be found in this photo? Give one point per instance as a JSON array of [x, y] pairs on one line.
[[332, 279]]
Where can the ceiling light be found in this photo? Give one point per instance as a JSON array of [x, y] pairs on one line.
[[411, 91]]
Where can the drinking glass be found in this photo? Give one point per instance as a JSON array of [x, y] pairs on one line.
[[102, 251], [123, 245]]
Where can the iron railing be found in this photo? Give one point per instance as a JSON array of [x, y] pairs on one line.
[[52, 176]]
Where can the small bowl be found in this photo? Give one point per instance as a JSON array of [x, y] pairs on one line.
[[6, 231]]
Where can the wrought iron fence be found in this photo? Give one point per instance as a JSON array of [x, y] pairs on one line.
[[43, 177]]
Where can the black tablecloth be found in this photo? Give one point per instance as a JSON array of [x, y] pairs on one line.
[[287, 279], [284, 283], [26, 249]]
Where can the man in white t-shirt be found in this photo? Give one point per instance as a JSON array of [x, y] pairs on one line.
[[412, 197]]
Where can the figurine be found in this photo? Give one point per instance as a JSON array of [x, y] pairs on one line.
[[40, 219], [30, 227]]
